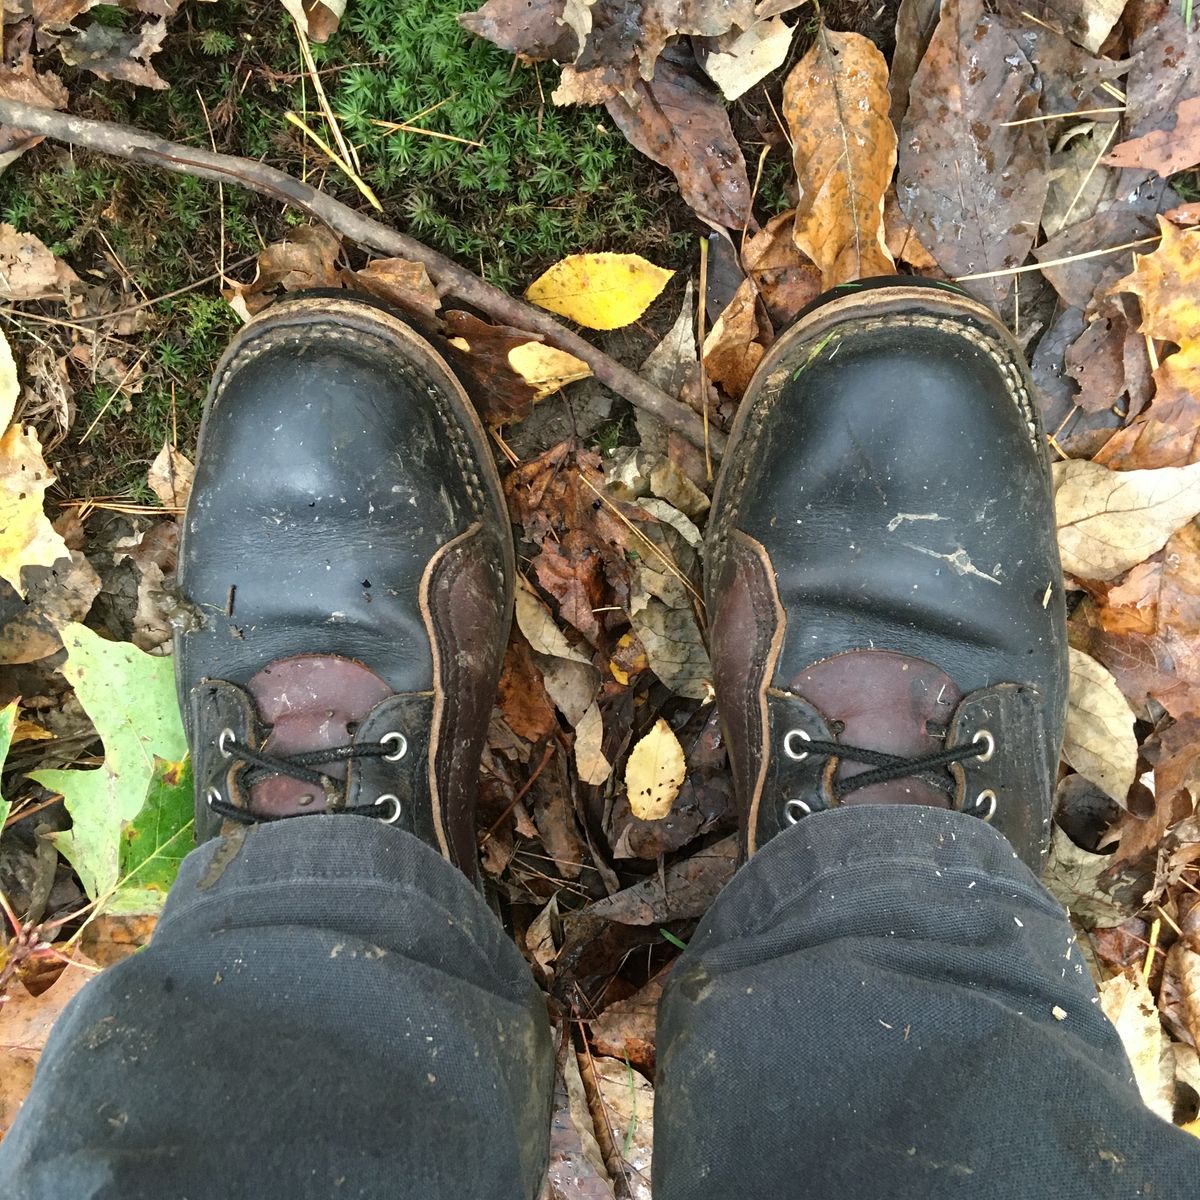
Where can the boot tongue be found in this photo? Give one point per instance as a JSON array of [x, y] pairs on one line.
[[887, 702], [312, 702]]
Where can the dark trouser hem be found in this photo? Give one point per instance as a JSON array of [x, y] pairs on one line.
[[326, 1009], [885, 1003]]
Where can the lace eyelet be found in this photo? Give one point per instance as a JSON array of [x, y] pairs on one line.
[[401, 743], [394, 801], [223, 739], [789, 747], [988, 797], [794, 810], [212, 796], [989, 745]]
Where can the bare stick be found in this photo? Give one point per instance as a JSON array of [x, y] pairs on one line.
[[122, 141]]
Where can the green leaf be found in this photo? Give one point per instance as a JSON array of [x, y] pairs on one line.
[[8, 721], [155, 842], [130, 697]]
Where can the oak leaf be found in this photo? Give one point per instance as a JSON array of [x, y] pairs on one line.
[[654, 773], [835, 101], [1099, 741], [1108, 521], [599, 291], [1167, 283]]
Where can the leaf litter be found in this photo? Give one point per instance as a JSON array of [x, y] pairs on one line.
[[1044, 159]]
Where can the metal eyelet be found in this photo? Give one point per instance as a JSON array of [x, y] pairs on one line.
[[394, 801], [793, 810], [985, 736], [789, 746], [212, 796], [401, 746], [988, 797], [223, 739]]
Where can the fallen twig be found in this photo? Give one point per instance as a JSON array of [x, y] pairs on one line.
[[123, 141]]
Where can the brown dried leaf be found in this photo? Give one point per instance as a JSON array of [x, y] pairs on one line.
[[1162, 150], [681, 123], [1127, 1003], [747, 58], [972, 185], [534, 30], [902, 241], [170, 477], [737, 342], [480, 350], [1096, 361], [21, 82], [113, 54], [590, 762], [56, 595], [405, 284], [306, 259], [1165, 71], [915, 22], [835, 102], [522, 694], [622, 1106], [1167, 284], [1108, 521], [1168, 433], [626, 1030], [1099, 741], [785, 279], [29, 271], [572, 571]]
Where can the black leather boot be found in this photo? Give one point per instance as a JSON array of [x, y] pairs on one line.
[[884, 587], [346, 571]]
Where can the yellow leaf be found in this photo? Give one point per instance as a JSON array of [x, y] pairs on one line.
[[654, 773], [1167, 283], [601, 291], [26, 537], [10, 389], [546, 368], [836, 104]]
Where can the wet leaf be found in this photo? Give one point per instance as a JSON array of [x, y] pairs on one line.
[[55, 596], [538, 625], [680, 121], [1167, 284], [785, 279], [654, 773], [737, 342], [593, 767], [115, 54], [1165, 72], [622, 1106], [130, 697], [1108, 521], [1164, 151], [915, 22], [1099, 741], [625, 1030], [405, 284], [972, 184], [674, 648], [536, 31], [26, 536], [600, 291], [835, 102], [29, 271], [1167, 434], [546, 368]]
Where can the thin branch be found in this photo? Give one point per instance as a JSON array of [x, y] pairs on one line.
[[122, 141]]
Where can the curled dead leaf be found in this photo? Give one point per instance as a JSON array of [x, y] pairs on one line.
[[28, 269]]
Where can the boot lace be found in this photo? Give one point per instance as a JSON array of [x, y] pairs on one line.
[[255, 765], [798, 745]]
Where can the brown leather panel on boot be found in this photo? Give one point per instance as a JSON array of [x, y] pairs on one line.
[[888, 702], [744, 649], [311, 702], [462, 608]]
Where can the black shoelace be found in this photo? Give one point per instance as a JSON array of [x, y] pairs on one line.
[[887, 766], [258, 766]]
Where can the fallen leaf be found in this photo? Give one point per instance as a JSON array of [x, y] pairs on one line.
[[1077, 279], [480, 351], [1108, 521], [522, 694], [305, 260], [669, 483], [736, 343], [55, 596], [130, 697], [593, 767], [675, 648], [901, 238], [1165, 69], [554, 814], [405, 284], [576, 1169], [1128, 1004], [539, 627], [1096, 361], [546, 368], [27, 538], [749, 57], [156, 841], [674, 360], [1087, 885], [599, 291], [1089, 22], [570, 684], [535, 31], [25, 1024], [8, 721], [785, 279], [654, 773], [915, 22], [20, 81], [170, 477], [115, 54], [1079, 187], [1167, 434], [1165, 151], [572, 571], [1167, 284], [835, 102], [625, 1030], [323, 17], [679, 121], [1185, 214], [622, 1106], [1099, 741], [29, 271], [972, 183]]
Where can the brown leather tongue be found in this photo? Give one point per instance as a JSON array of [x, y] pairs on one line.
[[886, 702], [311, 701]]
